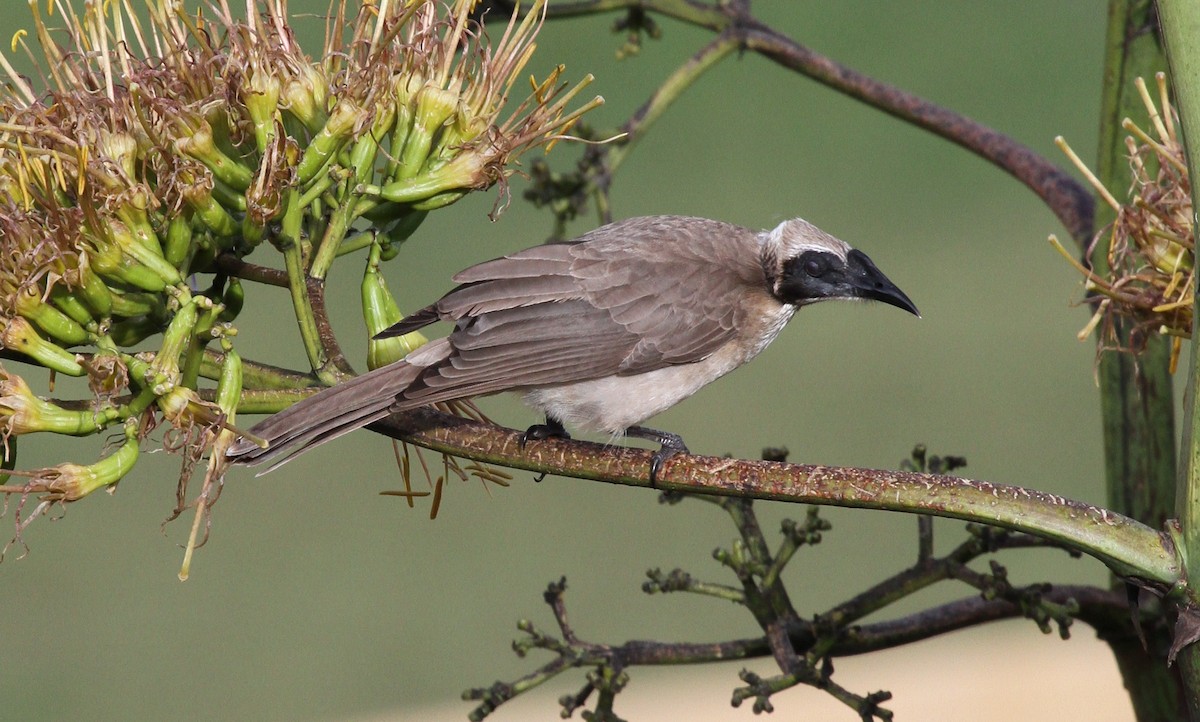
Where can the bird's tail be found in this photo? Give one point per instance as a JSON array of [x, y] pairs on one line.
[[324, 416]]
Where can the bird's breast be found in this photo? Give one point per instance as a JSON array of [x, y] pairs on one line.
[[612, 404]]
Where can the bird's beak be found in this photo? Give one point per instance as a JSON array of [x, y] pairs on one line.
[[869, 282]]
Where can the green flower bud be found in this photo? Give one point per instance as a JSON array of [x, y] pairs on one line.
[[333, 136], [69, 302], [21, 412], [199, 145], [47, 318], [380, 311], [70, 482], [18, 335]]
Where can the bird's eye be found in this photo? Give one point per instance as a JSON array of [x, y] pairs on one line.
[[813, 267]]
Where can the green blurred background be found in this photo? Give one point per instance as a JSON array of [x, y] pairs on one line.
[[318, 599]]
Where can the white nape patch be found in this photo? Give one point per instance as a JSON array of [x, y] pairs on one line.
[[793, 237]]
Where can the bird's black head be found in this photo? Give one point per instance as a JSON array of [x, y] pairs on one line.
[[817, 275]]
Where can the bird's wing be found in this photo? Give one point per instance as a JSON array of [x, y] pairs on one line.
[[557, 313]]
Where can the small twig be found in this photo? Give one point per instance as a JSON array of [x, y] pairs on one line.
[[231, 265]]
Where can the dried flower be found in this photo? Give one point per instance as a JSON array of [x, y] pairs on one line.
[[1150, 256]]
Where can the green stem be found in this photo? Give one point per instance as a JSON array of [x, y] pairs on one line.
[[1136, 399], [1181, 34], [290, 245], [331, 240]]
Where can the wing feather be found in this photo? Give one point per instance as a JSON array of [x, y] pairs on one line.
[[625, 299]]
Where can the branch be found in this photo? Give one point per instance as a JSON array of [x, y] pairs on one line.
[[1130, 549], [1104, 610], [1067, 198]]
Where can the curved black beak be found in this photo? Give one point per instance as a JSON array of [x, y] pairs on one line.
[[868, 282]]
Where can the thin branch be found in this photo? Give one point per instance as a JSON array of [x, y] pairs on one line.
[[1105, 610], [233, 266]]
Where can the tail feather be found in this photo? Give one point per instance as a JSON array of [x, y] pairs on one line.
[[325, 416]]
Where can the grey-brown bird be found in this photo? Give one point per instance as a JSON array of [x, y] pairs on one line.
[[599, 333]]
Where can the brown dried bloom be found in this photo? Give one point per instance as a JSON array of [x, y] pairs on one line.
[[1150, 254]]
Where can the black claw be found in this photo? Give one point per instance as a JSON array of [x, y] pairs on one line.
[[671, 444], [552, 429]]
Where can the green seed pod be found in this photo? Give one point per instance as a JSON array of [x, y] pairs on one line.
[[132, 304], [465, 171], [253, 233], [199, 145], [332, 137], [164, 370], [366, 148], [146, 252], [211, 214], [22, 412], [136, 220], [441, 200], [110, 262], [229, 385], [19, 335]]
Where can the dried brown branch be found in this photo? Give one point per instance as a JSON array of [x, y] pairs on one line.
[[1067, 198]]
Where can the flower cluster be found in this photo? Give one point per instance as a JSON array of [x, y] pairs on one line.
[[166, 147]]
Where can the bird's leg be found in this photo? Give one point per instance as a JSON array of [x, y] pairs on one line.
[[552, 429], [671, 444]]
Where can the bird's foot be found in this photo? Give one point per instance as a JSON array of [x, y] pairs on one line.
[[552, 429], [671, 444]]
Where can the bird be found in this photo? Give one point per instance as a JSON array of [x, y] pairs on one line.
[[599, 333]]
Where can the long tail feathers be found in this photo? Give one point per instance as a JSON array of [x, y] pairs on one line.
[[325, 416]]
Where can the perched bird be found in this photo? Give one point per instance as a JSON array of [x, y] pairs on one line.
[[599, 333]]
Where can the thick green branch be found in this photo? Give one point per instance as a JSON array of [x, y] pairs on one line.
[[1181, 35], [1131, 549]]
